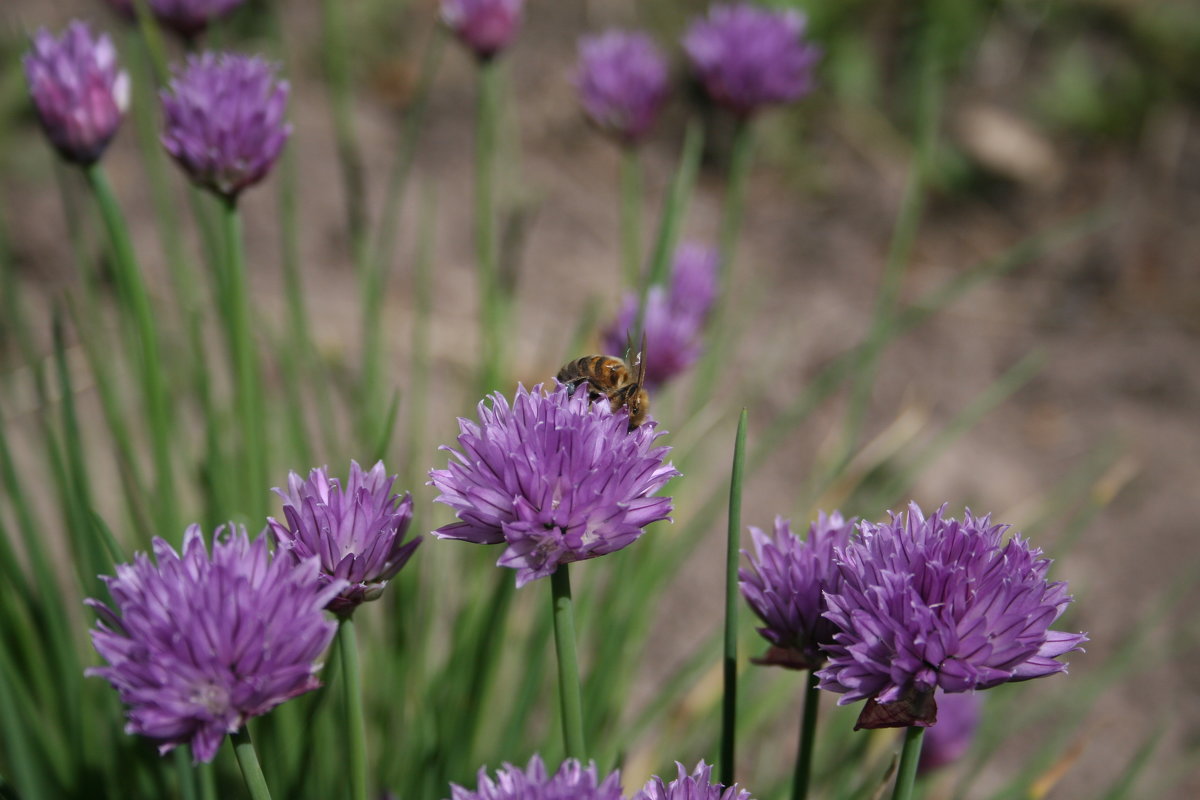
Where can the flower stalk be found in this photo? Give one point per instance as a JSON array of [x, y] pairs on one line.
[[252, 774], [247, 381], [808, 730], [355, 723], [154, 388], [631, 216], [570, 696], [491, 299], [910, 756]]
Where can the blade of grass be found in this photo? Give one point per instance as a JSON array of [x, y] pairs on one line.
[[733, 539]]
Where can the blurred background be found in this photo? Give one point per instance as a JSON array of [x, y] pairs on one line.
[[1075, 121]]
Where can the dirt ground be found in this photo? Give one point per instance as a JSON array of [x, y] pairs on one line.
[[1116, 313]]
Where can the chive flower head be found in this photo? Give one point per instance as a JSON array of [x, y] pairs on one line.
[[930, 603], [622, 82], [785, 586], [199, 643], [554, 478], [748, 57], [225, 122], [357, 531], [485, 26], [78, 89]]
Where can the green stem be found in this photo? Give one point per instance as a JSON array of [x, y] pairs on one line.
[[631, 215], [356, 727], [808, 737], [735, 198], [910, 756], [337, 70], [741, 160], [678, 198], [247, 381], [568, 667], [491, 300], [154, 388], [247, 759], [733, 537]]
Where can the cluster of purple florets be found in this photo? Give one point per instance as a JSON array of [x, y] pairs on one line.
[[200, 640], [896, 612]]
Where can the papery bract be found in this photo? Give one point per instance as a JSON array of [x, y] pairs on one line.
[[197, 644], [554, 478], [78, 89]]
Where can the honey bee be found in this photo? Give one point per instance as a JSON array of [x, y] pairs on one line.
[[611, 377]]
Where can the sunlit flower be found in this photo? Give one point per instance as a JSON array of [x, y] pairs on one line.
[[936, 603], [555, 479], [573, 781], [948, 740], [225, 120], [786, 584], [356, 532], [697, 786], [748, 57], [485, 26], [188, 18], [675, 316], [78, 89], [198, 644], [622, 82]]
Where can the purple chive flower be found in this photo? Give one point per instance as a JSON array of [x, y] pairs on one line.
[[936, 603], [675, 317], [748, 57], [78, 89], [573, 781], [485, 26], [357, 532], [188, 18], [622, 82], [225, 120], [950, 739], [786, 584], [554, 478], [697, 786], [198, 644]]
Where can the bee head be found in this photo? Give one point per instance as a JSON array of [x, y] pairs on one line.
[[636, 400]]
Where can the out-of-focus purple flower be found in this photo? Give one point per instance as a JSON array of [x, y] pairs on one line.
[[786, 584], [622, 82], [485, 26], [938, 603], [225, 120], [748, 57], [675, 317], [78, 89], [556, 479], [950, 739], [188, 18], [356, 532], [697, 786], [198, 644], [573, 781]]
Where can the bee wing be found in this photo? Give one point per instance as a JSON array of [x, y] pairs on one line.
[[641, 358]]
